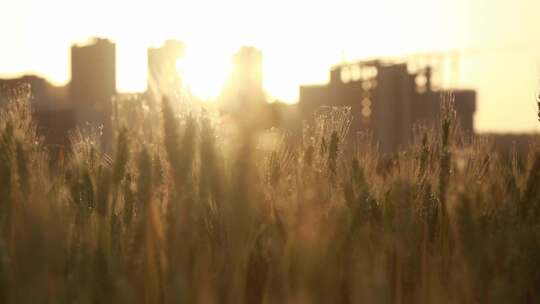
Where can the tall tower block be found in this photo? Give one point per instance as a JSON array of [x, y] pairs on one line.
[[93, 84], [162, 73]]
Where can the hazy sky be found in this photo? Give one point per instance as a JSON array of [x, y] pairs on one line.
[[498, 39]]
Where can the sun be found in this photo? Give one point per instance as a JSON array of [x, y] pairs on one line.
[[204, 72]]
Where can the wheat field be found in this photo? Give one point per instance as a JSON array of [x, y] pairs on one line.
[[187, 209]]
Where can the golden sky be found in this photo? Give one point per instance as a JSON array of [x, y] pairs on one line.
[[300, 39]]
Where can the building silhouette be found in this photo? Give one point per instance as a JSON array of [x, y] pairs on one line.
[[162, 69], [243, 90], [93, 84], [53, 115], [86, 100], [386, 99]]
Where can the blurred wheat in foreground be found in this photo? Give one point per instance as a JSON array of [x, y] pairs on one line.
[[189, 211]]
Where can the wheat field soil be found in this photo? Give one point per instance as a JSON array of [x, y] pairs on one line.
[[186, 209]]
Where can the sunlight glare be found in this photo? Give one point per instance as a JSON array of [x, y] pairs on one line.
[[204, 72]]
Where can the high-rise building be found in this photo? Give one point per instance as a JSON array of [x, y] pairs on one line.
[[162, 70], [247, 72], [386, 100], [93, 84], [244, 88]]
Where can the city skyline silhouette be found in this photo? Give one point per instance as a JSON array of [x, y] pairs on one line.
[[386, 97], [496, 55]]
